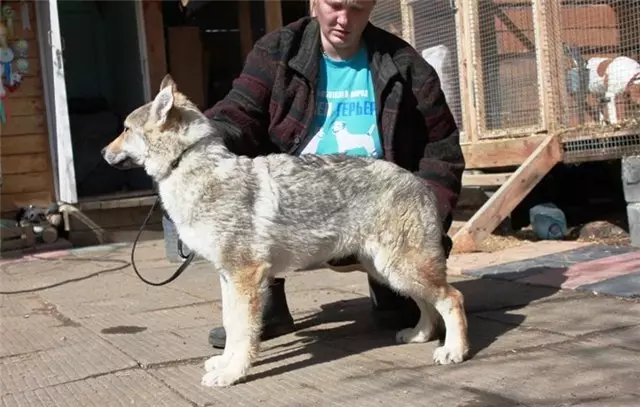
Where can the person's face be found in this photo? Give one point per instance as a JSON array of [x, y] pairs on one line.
[[343, 21]]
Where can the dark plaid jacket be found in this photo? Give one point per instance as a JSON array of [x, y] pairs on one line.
[[270, 107]]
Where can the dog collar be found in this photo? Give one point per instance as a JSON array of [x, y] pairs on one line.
[[199, 143]]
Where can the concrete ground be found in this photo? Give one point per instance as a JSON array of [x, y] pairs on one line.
[[80, 329]]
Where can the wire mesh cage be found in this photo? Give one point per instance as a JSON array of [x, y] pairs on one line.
[[522, 67], [506, 78], [601, 43], [430, 26]]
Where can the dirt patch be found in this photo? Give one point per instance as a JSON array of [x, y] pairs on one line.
[[601, 232]]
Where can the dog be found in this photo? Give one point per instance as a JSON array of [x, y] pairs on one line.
[[610, 78], [253, 218]]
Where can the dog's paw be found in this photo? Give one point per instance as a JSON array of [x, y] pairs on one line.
[[217, 362], [220, 378], [446, 356], [412, 335]]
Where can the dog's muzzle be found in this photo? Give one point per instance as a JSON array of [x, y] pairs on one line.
[[118, 161]]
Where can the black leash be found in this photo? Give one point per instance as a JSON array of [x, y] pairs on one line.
[[183, 266]]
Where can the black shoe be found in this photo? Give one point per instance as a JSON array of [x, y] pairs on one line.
[[276, 318]]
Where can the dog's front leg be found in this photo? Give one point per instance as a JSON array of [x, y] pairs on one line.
[[219, 362], [241, 314]]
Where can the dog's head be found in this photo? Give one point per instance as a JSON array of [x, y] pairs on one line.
[[156, 133]]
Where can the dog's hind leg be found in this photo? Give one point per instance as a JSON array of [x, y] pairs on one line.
[[426, 328], [424, 279], [242, 309]]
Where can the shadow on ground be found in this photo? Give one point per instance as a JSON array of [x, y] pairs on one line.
[[352, 329]]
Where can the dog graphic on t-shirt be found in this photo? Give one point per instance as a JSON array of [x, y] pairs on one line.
[[348, 141], [345, 140]]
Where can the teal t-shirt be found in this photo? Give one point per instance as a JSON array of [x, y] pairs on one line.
[[345, 120]]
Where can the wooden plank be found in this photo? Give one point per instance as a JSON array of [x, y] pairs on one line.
[[272, 15], [24, 164], [18, 30], [509, 195], [406, 16], [26, 106], [34, 66], [31, 86], [25, 144], [23, 125], [26, 237], [500, 152], [154, 33], [485, 180], [549, 57], [21, 183], [186, 62], [465, 68], [12, 202], [244, 24], [472, 9]]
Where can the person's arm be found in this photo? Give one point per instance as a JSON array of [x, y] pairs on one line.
[[442, 162], [243, 115]]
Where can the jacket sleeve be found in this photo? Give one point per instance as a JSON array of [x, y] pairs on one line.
[[242, 115], [442, 162]]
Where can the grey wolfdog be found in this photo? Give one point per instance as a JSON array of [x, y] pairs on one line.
[[255, 217]]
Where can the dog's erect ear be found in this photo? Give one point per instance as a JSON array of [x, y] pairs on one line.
[[168, 81], [162, 105]]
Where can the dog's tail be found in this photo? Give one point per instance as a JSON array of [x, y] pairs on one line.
[[371, 129]]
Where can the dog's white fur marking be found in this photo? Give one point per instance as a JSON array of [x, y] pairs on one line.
[[452, 350], [234, 362], [426, 327]]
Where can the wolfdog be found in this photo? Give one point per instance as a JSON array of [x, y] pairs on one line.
[[253, 218]]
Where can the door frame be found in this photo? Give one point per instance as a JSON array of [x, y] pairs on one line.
[[50, 43]]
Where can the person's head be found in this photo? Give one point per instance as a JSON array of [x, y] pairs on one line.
[[341, 24]]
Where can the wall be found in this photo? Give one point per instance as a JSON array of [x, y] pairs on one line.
[[24, 144]]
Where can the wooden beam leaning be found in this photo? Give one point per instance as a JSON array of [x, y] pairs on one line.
[[507, 197]]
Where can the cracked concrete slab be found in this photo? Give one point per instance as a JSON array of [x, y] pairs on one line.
[[18, 304], [49, 367], [484, 294], [572, 317], [171, 318], [102, 287], [133, 304], [486, 338], [531, 345], [305, 380], [559, 374], [628, 338], [16, 339], [127, 388], [157, 347]]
